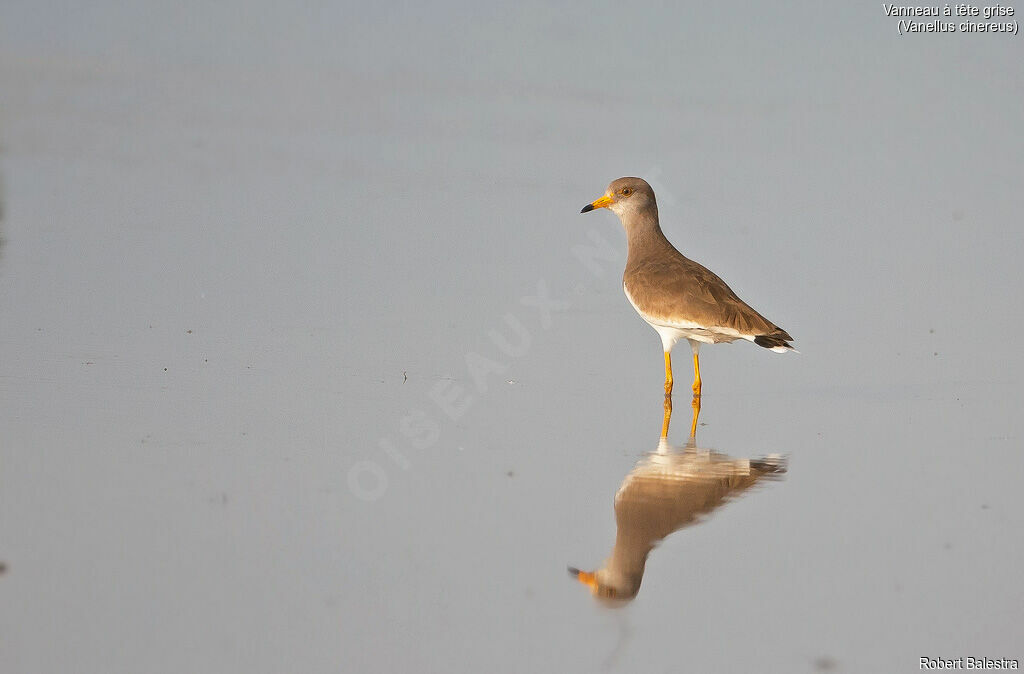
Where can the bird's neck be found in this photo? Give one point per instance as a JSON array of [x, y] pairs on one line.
[[625, 567], [643, 235]]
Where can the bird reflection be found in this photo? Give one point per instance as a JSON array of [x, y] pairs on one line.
[[668, 489]]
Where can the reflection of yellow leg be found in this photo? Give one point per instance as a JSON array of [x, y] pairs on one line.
[[668, 416], [696, 374], [696, 413], [668, 373]]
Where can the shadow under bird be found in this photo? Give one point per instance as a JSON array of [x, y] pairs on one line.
[[677, 296]]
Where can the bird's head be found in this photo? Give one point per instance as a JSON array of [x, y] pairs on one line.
[[625, 196], [604, 591]]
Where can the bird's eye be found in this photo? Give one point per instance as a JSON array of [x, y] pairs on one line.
[[626, 191]]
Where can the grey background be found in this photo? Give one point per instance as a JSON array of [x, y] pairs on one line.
[[246, 245]]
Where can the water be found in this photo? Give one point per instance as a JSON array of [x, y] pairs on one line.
[[311, 363]]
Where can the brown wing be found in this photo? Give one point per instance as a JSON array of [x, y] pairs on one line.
[[675, 287]]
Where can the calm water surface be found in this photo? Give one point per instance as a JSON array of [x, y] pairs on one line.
[[311, 364]]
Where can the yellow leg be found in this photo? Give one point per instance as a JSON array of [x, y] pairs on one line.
[[668, 373], [696, 413], [696, 375], [668, 416]]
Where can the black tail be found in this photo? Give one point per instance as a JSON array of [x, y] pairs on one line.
[[772, 465], [772, 341]]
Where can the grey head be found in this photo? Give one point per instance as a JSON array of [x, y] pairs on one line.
[[628, 198], [611, 589]]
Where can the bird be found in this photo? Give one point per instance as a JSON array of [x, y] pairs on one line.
[[678, 297], [670, 488]]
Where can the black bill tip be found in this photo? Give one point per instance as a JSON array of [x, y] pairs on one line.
[[587, 208], [574, 572]]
